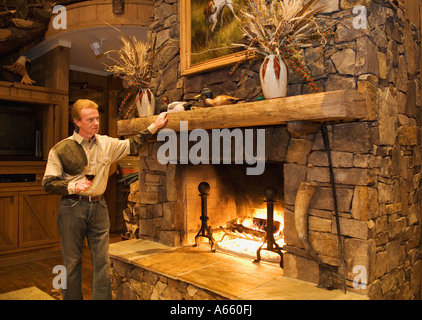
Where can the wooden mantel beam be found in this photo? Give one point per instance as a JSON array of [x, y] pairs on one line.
[[344, 105]]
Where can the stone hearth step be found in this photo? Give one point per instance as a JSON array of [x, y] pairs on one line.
[[147, 270]]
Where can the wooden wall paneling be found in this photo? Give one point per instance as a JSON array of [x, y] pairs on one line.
[[104, 12], [58, 78], [54, 75], [57, 68], [51, 130], [131, 11], [86, 15], [95, 12], [146, 13]]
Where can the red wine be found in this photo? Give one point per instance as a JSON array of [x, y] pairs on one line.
[[90, 176]]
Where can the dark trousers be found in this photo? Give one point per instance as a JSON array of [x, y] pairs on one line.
[[77, 220]]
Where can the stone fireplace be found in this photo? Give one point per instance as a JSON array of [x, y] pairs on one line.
[[376, 160], [168, 202]]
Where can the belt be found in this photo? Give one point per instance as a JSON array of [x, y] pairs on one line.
[[84, 198]]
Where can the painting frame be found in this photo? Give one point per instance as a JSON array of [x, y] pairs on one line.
[[186, 66]]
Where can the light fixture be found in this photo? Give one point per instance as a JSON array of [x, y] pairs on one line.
[[97, 48]]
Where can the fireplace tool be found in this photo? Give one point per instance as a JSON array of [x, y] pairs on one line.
[[272, 245], [324, 132], [205, 230]]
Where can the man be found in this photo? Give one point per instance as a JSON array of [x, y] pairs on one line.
[[83, 210]]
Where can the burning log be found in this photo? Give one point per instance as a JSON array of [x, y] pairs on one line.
[[263, 231], [258, 230], [239, 229]]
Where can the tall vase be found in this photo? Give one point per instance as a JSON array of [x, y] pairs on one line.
[[274, 77], [145, 103]]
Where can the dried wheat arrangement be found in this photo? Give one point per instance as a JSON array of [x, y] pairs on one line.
[[133, 65], [281, 27]]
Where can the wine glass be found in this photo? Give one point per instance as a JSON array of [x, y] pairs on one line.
[[90, 175]]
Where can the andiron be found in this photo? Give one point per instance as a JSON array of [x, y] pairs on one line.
[[270, 194], [205, 230]]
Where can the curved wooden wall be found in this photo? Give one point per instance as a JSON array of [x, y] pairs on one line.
[[95, 13]]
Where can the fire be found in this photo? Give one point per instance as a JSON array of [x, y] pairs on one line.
[[248, 242], [258, 222]]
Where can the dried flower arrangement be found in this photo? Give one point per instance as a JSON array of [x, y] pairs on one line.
[[283, 28], [134, 67]]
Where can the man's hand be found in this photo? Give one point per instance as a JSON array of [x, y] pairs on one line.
[[161, 120], [83, 185]]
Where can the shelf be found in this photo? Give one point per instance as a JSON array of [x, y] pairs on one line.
[[342, 105], [27, 93]]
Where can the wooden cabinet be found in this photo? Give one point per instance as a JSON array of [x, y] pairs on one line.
[[9, 208], [37, 219], [28, 215], [27, 220]]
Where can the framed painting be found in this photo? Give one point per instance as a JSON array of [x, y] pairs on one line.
[[208, 28]]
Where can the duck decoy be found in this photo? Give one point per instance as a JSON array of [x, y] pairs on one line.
[[207, 96], [178, 106]]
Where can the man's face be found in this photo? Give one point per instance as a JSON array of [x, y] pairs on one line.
[[89, 123]]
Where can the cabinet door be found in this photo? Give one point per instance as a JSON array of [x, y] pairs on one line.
[[9, 213], [37, 218]]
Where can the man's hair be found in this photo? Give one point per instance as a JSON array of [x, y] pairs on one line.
[[78, 105]]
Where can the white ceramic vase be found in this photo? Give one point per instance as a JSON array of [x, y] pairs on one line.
[[274, 77], [145, 103]]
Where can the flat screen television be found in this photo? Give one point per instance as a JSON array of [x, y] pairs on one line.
[[20, 131]]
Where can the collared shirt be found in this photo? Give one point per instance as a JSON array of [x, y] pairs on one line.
[[67, 161]]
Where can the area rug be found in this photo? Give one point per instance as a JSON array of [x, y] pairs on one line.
[[31, 293]]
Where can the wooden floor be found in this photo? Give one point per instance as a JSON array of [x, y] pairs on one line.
[[40, 274]]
